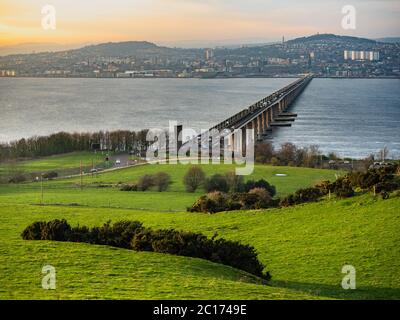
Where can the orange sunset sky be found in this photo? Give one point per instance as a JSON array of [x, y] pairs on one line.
[[174, 22]]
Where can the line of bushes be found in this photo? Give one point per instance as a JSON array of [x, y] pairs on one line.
[[228, 182], [133, 235], [382, 181], [217, 201]]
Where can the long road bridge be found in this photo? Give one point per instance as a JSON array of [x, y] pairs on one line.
[[269, 112]]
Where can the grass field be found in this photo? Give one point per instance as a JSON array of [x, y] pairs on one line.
[[68, 191], [304, 247], [60, 163]]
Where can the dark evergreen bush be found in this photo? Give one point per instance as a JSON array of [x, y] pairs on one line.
[[132, 235], [50, 175], [58, 230], [302, 196], [217, 182], [33, 231], [190, 244], [251, 184], [129, 187], [213, 202]]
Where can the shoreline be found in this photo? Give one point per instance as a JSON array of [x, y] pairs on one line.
[[205, 78]]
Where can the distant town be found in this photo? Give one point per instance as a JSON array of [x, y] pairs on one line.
[[325, 55]]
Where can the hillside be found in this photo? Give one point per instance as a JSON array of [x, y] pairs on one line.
[[304, 247], [101, 190], [333, 39]]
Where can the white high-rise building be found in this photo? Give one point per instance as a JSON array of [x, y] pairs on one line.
[[209, 54], [361, 55]]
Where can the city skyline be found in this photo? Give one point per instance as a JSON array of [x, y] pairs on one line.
[[190, 23]]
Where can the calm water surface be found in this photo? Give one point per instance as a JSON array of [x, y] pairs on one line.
[[351, 117]]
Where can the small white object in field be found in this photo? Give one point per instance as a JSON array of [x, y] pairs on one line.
[[281, 175]]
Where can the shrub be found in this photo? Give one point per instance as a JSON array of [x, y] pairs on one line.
[[251, 184], [342, 187], [80, 234], [162, 181], [275, 161], [384, 195], [212, 202], [17, 178], [132, 235], [33, 231], [247, 200], [264, 199], [145, 182], [396, 194], [123, 232], [301, 196], [193, 179], [190, 244], [129, 187], [387, 186], [216, 182], [58, 230], [218, 201], [325, 186], [235, 182]]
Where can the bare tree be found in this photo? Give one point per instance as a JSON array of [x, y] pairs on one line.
[[384, 153]]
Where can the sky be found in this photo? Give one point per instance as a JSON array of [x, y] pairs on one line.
[[191, 22]]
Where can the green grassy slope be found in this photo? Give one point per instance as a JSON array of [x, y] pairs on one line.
[[57, 162], [304, 247]]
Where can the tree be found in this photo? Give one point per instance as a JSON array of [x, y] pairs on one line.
[[235, 182], [217, 182], [264, 152], [193, 179], [260, 184], [162, 180], [287, 153], [145, 182]]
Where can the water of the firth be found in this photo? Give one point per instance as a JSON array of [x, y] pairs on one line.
[[351, 117]]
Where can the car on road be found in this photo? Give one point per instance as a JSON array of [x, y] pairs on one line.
[[117, 162]]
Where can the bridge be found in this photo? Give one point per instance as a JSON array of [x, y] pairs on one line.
[[269, 112]]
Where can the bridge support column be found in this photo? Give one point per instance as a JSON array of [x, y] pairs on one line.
[[254, 125], [244, 137], [262, 123], [274, 111]]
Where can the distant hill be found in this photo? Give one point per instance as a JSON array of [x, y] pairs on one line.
[[331, 38], [126, 48]]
